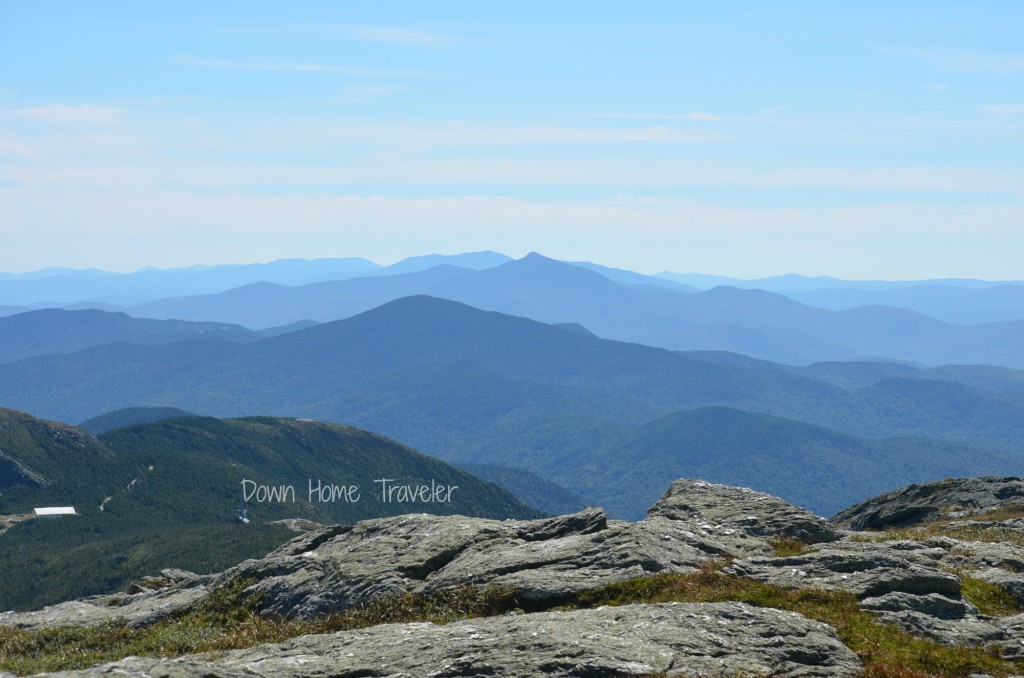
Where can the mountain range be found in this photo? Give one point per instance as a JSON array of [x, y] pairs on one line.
[[749, 321], [790, 319], [63, 286], [481, 387]]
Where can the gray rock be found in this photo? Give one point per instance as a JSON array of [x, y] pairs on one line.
[[900, 581], [333, 568], [543, 560], [950, 621], [152, 667], [1013, 628], [680, 639], [931, 604], [141, 609], [13, 472], [915, 504], [868, 570], [542, 571], [337, 567], [952, 632], [741, 509], [168, 577], [973, 555]]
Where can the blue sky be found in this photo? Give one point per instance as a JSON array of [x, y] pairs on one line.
[[862, 140]]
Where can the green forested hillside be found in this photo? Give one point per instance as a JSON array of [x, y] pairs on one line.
[[168, 494], [208, 458], [45, 463]]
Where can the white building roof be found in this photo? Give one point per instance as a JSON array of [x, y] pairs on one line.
[[56, 511]]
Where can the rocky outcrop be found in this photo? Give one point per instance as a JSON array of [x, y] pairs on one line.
[[917, 585], [915, 504], [155, 599], [543, 560], [13, 472], [676, 639], [731, 511], [864, 569]]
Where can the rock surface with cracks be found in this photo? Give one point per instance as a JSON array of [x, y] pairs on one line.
[[917, 584]]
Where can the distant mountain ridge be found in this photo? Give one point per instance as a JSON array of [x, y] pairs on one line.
[[867, 319], [749, 321], [131, 416], [58, 331], [481, 387], [958, 305], [64, 286], [795, 282]]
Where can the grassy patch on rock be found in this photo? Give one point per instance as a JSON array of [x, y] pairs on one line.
[[228, 619], [886, 650], [988, 598], [1004, 512], [786, 546], [961, 530]]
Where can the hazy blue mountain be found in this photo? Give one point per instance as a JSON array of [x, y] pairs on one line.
[[58, 331], [792, 282], [267, 305], [859, 373], [751, 322], [82, 306], [55, 271], [574, 328], [952, 304], [131, 416], [285, 329], [472, 386], [625, 277], [58, 287], [999, 379], [6, 310], [533, 490], [811, 466], [92, 288], [476, 261]]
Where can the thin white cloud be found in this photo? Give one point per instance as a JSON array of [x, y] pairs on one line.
[[691, 116], [1004, 109], [473, 133], [83, 114], [775, 110], [393, 35], [289, 67], [18, 150], [963, 60], [366, 93]]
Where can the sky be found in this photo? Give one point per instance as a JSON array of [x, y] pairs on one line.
[[864, 140]]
